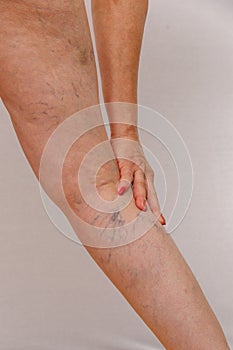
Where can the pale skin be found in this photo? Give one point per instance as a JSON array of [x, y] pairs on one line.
[[48, 72]]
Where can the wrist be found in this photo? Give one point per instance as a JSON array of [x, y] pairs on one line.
[[124, 131]]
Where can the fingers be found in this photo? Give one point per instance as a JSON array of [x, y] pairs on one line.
[[153, 202], [126, 178], [139, 189], [143, 189], [128, 174]]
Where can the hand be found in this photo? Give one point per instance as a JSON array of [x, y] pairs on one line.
[[135, 170]]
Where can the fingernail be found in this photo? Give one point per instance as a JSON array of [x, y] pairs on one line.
[[121, 190], [163, 218]]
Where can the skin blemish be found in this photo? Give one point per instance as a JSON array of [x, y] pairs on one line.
[[83, 56], [75, 90], [73, 43]]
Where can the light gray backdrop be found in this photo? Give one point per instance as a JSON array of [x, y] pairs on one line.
[[52, 295]]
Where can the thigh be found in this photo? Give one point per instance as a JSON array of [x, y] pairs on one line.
[[47, 67]]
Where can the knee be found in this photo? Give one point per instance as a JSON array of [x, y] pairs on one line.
[[75, 193]]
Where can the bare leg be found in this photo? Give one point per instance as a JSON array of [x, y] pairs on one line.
[[47, 73]]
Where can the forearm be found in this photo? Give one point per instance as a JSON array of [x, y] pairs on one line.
[[119, 27]]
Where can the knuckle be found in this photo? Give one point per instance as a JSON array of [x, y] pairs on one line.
[[127, 173], [140, 183]]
